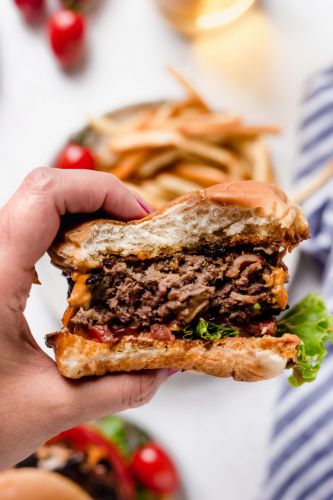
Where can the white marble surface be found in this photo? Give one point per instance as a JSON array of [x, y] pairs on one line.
[[217, 430]]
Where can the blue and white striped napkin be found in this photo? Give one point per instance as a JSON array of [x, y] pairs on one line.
[[300, 463]]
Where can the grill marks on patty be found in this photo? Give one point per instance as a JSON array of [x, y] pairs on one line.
[[223, 288]]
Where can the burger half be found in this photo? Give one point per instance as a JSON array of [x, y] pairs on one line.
[[196, 285]]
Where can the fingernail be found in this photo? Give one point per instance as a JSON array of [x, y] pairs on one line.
[[144, 205], [171, 372]]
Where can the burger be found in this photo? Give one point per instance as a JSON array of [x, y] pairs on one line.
[[37, 484], [107, 459], [85, 458], [197, 285]]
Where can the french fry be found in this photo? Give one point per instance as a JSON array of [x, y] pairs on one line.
[[225, 132], [162, 114], [175, 185], [129, 164], [185, 107], [199, 173], [143, 140], [209, 152], [152, 200], [104, 125], [155, 190], [157, 163], [105, 159], [316, 183], [246, 169], [207, 124], [257, 155], [191, 92], [189, 110], [140, 120]]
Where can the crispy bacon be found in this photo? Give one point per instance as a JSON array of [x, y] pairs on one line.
[[101, 333], [161, 332]]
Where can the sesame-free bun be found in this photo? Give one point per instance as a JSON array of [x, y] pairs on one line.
[[243, 358], [37, 484], [226, 214]]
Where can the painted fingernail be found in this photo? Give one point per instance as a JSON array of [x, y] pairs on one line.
[[144, 205], [171, 372]]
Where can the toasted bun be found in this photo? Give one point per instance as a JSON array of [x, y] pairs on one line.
[[226, 214], [37, 484], [247, 359]]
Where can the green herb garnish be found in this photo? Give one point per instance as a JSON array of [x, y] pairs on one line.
[[311, 322], [256, 307]]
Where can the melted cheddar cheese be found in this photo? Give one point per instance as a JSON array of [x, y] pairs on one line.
[[276, 281], [81, 295]]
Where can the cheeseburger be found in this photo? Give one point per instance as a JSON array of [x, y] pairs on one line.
[[196, 285]]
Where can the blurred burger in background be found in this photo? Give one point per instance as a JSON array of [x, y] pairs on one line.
[[109, 459], [38, 484]]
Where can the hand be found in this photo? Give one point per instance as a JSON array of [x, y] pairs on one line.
[[36, 402]]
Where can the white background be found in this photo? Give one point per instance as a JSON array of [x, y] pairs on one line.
[[217, 430]]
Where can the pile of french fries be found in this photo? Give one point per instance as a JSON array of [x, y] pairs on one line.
[[166, 149]]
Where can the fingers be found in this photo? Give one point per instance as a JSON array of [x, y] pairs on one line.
[[30, 220], [86, 400]]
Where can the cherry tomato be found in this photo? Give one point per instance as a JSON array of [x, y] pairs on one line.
[[152, 467], [31, 9], [66, 31], [75, 156]]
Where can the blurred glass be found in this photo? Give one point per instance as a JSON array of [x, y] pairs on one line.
[[193, 17]]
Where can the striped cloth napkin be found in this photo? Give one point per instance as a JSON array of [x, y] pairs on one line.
[[300, 465]]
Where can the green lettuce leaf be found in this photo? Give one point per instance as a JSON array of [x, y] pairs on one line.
[[309, 320], [208, 331]]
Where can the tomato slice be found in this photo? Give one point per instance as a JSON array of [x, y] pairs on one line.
[[82, 436], [153, 468]]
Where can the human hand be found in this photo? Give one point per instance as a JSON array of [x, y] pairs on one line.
[[36, 402]]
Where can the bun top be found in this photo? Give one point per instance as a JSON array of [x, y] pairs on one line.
[[37, 484], [266, 199], [227, 214]]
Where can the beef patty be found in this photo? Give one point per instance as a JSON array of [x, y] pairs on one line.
[[231, 288]]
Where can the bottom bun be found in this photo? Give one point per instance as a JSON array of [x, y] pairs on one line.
[[243, 358], [36, 484]]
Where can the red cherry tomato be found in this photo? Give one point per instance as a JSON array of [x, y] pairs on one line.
[[66, 30], [31, 9], [152, 467], [75, 156]]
